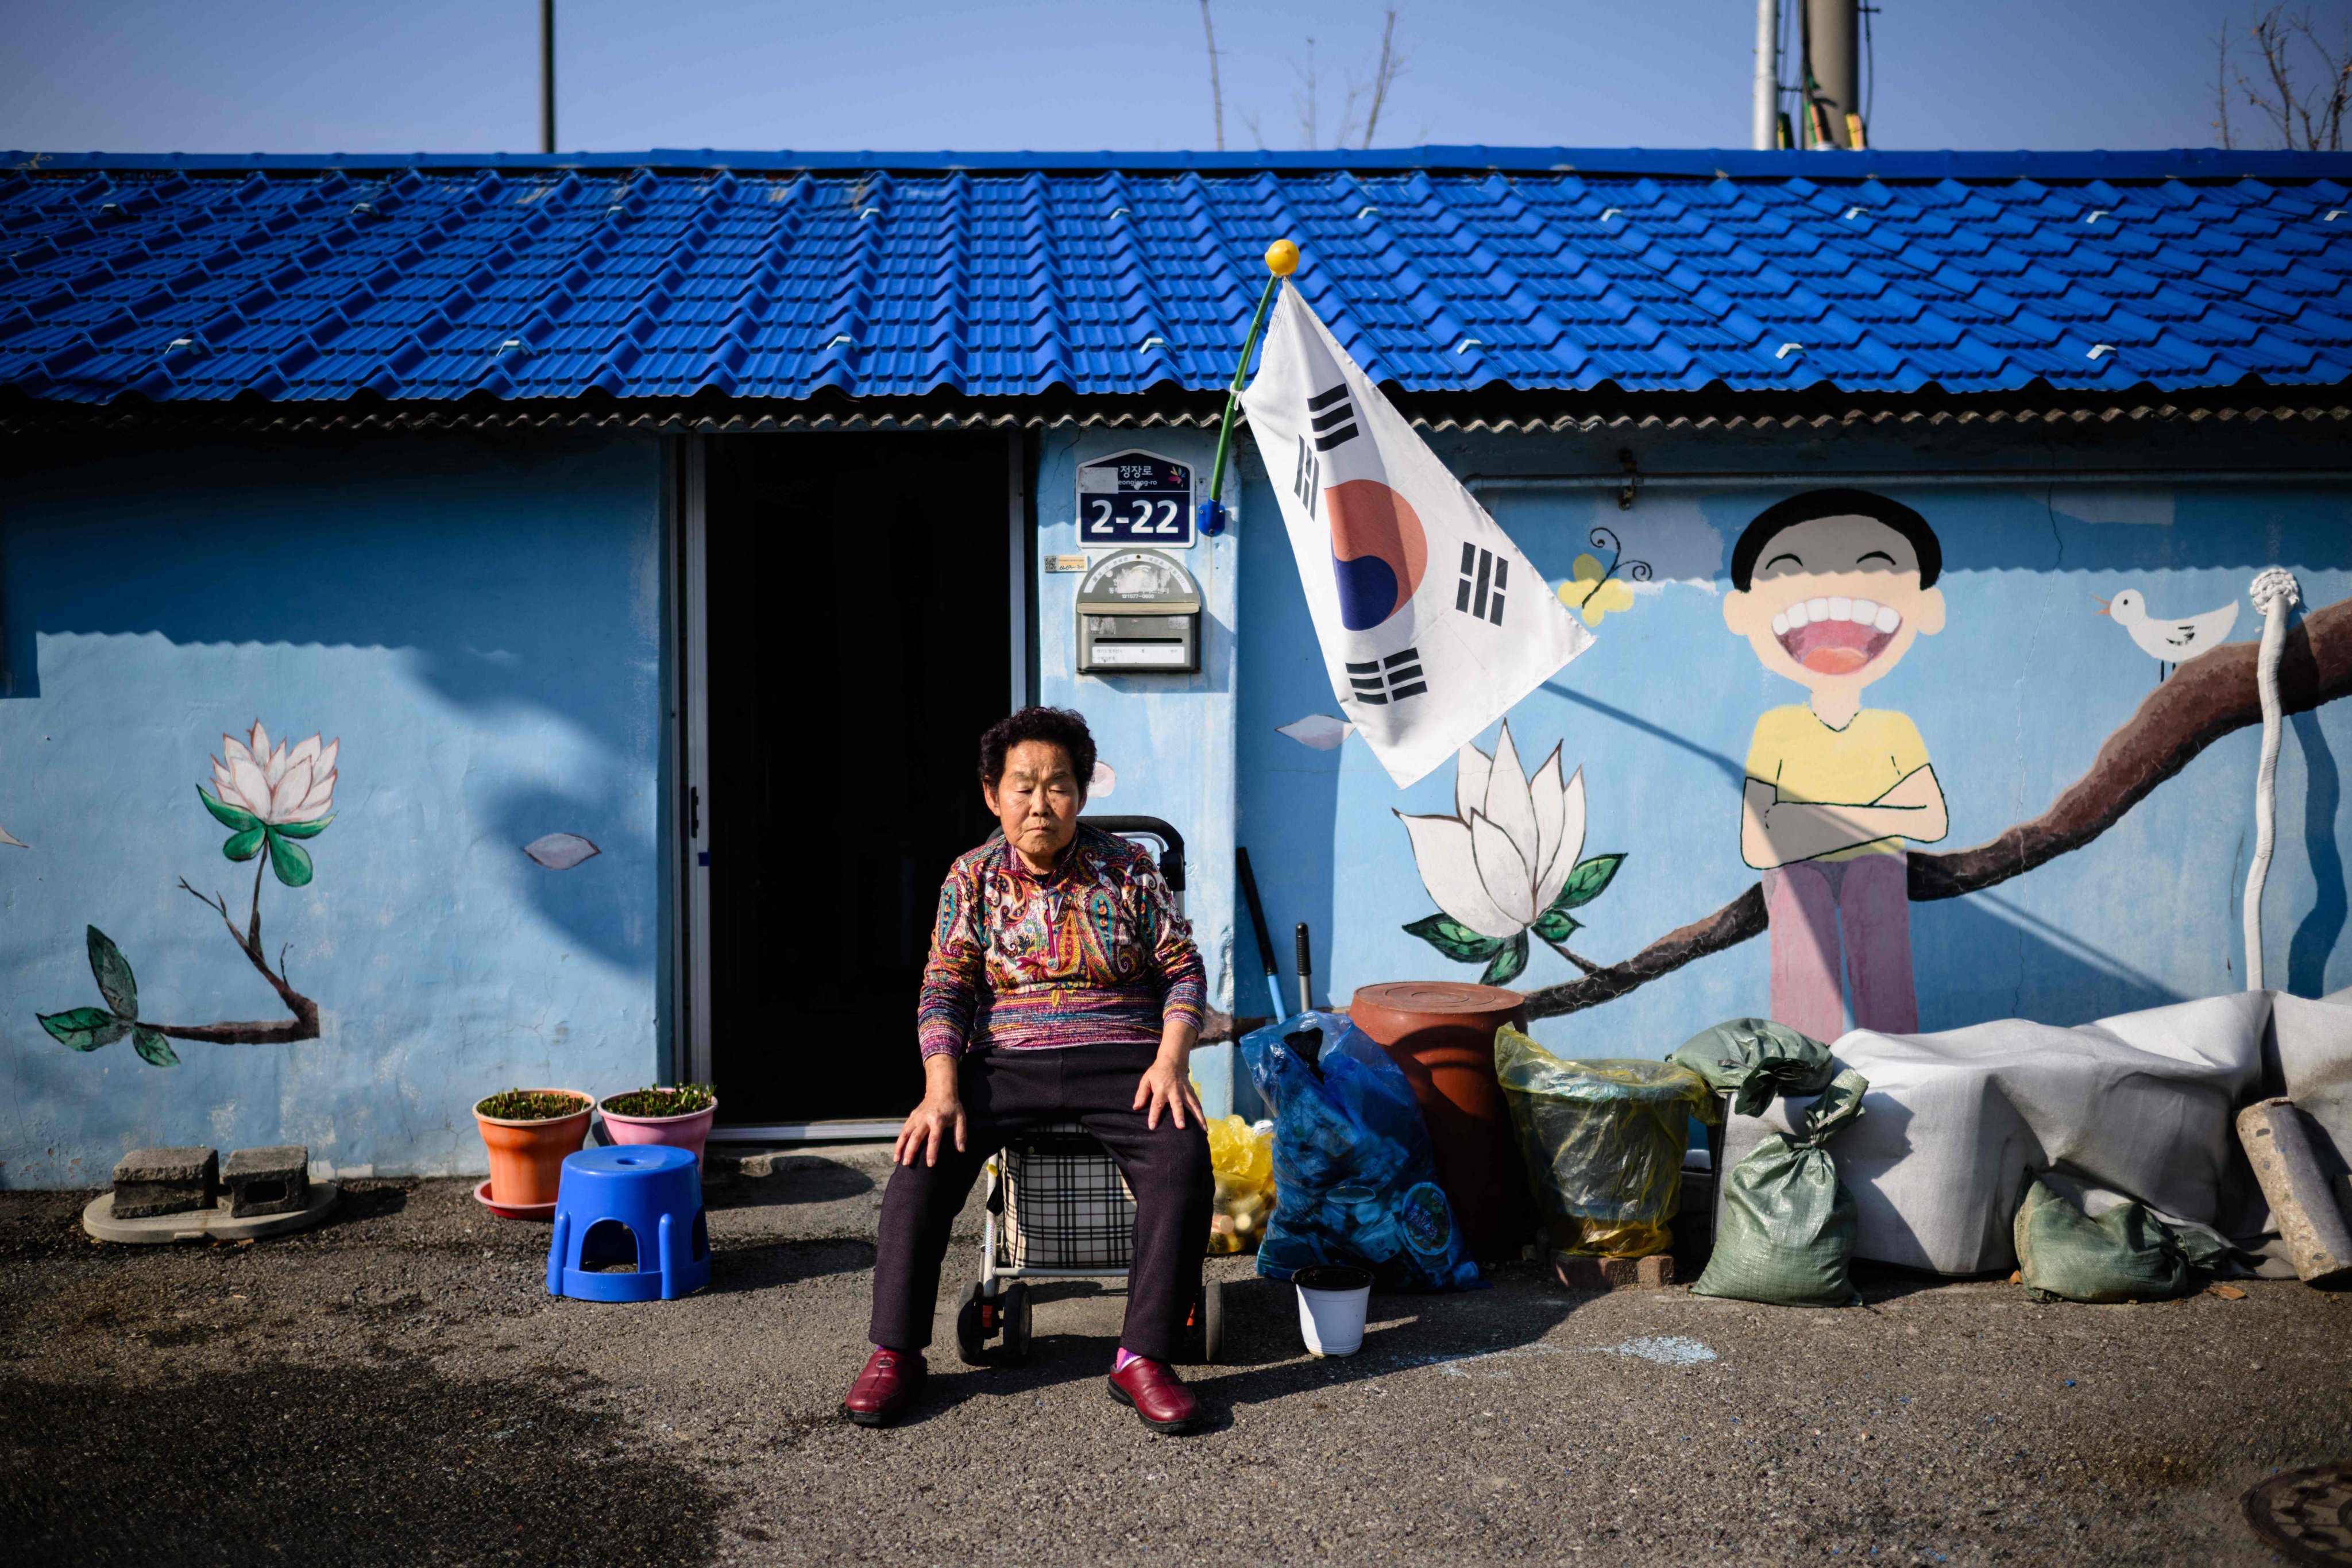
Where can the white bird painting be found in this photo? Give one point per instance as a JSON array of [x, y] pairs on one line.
[[2168, 642]]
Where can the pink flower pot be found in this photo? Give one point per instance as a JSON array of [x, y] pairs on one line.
[[686, 1132]]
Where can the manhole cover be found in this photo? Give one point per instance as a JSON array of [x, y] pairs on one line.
[[2306, 1514]]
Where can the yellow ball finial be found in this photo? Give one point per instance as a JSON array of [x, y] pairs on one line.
[[1282, 258]]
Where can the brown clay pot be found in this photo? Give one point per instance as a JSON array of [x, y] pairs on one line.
[[1441, 1034], [527, 1157]]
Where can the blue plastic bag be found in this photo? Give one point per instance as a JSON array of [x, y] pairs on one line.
[[1354, 1178]]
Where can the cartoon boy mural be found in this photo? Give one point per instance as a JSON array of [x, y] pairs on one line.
[[1830, 588]]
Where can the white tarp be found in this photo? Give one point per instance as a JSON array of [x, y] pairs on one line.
[[1431, 622], [2143, 1105]]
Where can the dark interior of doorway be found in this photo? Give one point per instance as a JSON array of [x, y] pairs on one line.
[[858, 646]]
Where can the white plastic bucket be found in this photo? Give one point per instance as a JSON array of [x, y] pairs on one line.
[[1332, 1301]]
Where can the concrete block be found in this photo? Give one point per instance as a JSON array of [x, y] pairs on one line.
[[1578, 1272], [166, 1181], [2287, 1163], [268, 1181]]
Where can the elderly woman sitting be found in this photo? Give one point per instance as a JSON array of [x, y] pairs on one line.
[[1063, 986]]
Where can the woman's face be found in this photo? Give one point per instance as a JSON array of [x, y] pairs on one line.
[[1037, 801]]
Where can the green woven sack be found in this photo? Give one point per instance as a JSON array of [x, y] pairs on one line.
[[2124, 1254], [1753, 1059], [1787, 1232]]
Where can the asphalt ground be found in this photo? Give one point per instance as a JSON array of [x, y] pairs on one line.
[[397, 1387]]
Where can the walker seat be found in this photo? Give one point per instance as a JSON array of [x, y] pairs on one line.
[[629, 1225]]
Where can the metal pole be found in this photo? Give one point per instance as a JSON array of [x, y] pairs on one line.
[[1764, 130], [1833, 57], [547, 76]]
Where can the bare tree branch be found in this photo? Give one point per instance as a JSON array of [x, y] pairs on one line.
[[2313, 120], [1216, 86], [2207, 698], [1385, 74], [303, 1025], [2220, 81]]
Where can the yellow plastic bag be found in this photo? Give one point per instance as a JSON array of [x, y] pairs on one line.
[[1603, 1142], [1243, 1157]]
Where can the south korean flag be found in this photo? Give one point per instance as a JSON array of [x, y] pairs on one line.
[[1432, 623]]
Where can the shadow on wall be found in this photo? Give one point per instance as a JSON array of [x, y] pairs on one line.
[[1982, 957], [2315, 934], [516, 573]]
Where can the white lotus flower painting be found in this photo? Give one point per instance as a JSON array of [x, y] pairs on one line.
[[1509, 861], [269, 798]]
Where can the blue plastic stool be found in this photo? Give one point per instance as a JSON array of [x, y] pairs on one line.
[[637, 1205]]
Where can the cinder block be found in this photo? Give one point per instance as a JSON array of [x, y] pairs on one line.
[[268, 1181], [165, 1181], [1578, 1272]]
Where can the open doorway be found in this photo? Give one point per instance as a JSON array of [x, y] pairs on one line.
[[859, 613]]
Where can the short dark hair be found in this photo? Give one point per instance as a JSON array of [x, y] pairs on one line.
[[1063, 727], [1782, 516]]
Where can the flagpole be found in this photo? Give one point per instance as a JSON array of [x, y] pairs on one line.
[[1281, 261]]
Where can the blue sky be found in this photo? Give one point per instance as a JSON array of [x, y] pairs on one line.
[[239, 76]]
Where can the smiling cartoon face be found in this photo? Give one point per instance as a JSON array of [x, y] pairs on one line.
[[1834, 602]]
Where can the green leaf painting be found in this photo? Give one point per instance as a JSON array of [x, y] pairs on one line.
[[1507, 963], [288, 859], [84, 1028], [1556, 924], [300, 829], [230, 817], [112, 972], [1585, 881], [153, 1048], [1455, 939]]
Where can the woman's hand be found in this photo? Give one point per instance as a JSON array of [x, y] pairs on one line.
[[937, 1120], [1167, 1083]]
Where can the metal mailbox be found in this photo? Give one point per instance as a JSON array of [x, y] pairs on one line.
[[1138, 614]]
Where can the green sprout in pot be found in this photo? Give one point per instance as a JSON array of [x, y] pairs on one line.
[[662, 1099], [530, 1105]]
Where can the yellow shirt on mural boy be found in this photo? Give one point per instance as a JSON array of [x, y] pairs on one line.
[[1803, 759]]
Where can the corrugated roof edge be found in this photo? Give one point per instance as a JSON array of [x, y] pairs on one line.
[[2183, 164], [1503, 412]]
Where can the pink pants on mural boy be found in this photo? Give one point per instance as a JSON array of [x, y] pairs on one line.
[[1865, 899]]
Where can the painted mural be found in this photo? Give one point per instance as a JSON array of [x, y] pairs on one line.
[[1508, 861], [271, 799], [2168, 642], [1595, 590], [1832, 589]]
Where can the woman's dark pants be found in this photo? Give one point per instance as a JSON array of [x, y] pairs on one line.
[[1006, 1092]]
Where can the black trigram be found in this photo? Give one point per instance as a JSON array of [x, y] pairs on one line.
[[1480, 592], [1394, 678], [1333, 417], [1307, 479]]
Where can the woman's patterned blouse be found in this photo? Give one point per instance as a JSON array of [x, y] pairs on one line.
[[1092, 953]]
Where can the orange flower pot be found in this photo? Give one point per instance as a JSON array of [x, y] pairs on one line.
[[527, 1157]]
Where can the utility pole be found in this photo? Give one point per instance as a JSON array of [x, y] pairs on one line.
[[1834, 71], [547, 76], [1764, 134]]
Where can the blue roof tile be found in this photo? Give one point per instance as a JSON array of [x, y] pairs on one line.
[[662, 274]]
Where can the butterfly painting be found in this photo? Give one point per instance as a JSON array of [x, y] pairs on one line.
[[1594, 591]]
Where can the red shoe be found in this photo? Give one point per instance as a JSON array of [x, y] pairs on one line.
[[1152, 1387], [884, 1389]]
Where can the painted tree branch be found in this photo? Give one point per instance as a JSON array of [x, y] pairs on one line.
[[2207, 698], [303, 1025]]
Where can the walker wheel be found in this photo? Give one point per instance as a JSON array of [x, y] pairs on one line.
[[1014, 1313], [971, 1338]]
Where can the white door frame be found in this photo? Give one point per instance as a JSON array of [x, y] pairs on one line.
[[693, 812], [693, 824]]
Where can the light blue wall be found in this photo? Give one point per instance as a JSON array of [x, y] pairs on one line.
[[1168, 738], [2013, 699], [479, 620]]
